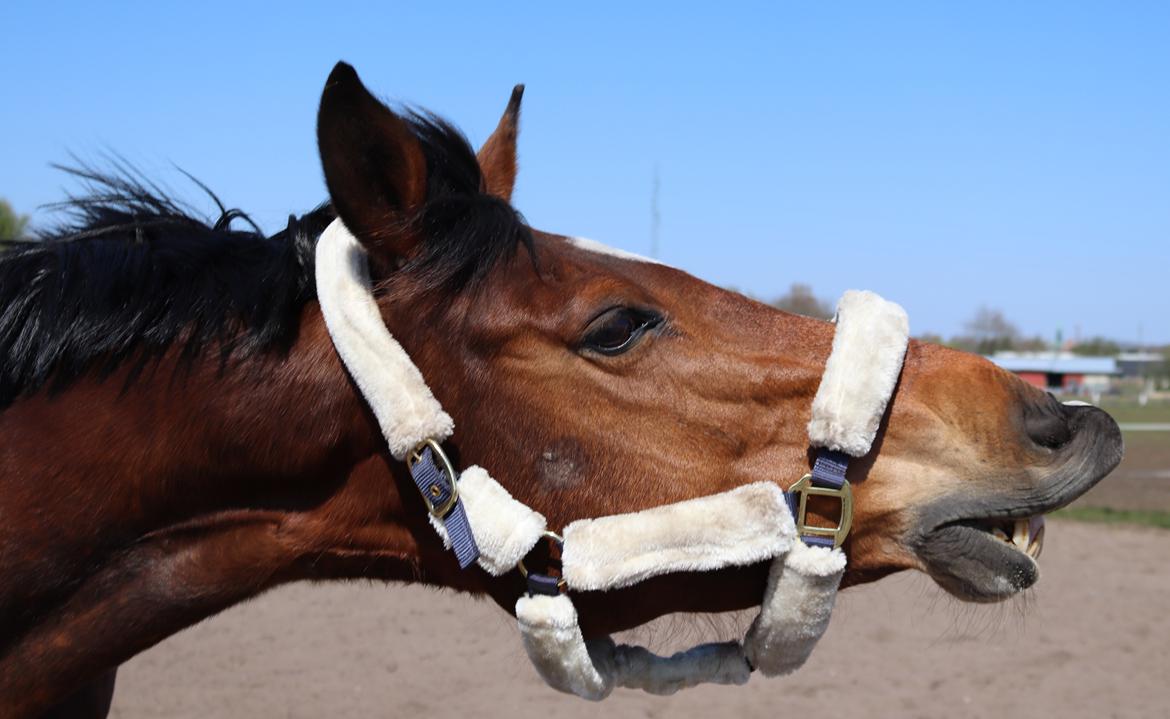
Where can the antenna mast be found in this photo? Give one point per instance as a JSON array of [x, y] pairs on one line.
[[654, 216]]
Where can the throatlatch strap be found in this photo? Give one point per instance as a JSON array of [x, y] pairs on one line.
[[434, 483], [828, 471]]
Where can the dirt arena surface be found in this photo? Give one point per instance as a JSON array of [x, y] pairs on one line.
[[1091, 640]]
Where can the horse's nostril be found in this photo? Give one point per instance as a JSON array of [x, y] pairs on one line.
[[1047, 425]]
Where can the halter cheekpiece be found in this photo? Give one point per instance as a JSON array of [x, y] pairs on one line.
[[483, 524]]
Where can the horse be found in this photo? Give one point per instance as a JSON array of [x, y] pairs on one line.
[[180, 434]]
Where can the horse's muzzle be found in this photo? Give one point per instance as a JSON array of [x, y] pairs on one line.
[[982, 545]]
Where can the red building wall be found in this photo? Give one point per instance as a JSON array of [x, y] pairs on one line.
[[1036, 379]]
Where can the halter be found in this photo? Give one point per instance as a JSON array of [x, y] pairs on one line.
[[483, 524]]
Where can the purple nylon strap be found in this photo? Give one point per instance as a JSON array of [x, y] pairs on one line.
[[434, 483], [543, 584], [828, 471]]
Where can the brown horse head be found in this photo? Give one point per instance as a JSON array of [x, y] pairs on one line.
[[178, 439], [594, 382]]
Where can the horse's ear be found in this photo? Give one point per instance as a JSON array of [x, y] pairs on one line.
[[374, 166], [497, 157]]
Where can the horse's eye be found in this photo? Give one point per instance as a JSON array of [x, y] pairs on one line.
[[618, 329]]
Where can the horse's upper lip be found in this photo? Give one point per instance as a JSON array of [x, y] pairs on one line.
[[1093, 453]]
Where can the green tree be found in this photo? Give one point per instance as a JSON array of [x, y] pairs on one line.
[[1097, 347], [800, 300], [988, 332], [1033, 344], [12, 225]]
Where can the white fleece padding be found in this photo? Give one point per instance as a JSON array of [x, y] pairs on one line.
[[553, 641], [390, 383], [504, 528], [798, 602], [603, 249], [741, 526], [868, 349], [745, 525], [591, 670]]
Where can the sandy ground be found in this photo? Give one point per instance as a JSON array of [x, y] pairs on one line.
[[1091, 640]]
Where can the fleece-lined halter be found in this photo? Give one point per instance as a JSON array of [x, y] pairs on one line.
[[477, 517]]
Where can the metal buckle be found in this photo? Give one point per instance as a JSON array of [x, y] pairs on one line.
[[804, 488], [555, 539], [444, 465]]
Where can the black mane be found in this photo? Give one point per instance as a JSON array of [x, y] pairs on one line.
[[132, 272]]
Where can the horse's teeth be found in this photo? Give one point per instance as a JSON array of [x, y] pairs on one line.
[[1020, 539], [1000, 534], [1037, 543]]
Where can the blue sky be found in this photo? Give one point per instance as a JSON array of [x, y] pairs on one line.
[[1015, 155]]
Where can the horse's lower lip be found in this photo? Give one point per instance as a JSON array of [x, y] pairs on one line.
[[973, 564]]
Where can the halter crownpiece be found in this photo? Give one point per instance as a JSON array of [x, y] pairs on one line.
[[480, 520]]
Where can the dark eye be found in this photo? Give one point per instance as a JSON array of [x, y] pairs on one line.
[[618, 329]]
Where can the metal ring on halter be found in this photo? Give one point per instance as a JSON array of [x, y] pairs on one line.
[[560, 542], [443, 464]]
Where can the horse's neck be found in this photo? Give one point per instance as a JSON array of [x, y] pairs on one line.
[[156, 504], [96, 466]]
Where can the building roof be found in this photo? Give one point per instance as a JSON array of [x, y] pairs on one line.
[[1062, 363], [1140, 357]]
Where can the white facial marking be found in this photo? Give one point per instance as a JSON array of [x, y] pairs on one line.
[[595, 246]]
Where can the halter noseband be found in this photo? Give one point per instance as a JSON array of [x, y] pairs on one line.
[[482, 523]]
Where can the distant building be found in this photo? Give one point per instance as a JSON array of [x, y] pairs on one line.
[[1061, 372], [1139, 364]]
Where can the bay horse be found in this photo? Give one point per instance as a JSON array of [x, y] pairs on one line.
[[179, 434]]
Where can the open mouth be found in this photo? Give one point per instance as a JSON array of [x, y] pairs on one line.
[[984, 548], [984, 559], [1024, 535], [990, 553]]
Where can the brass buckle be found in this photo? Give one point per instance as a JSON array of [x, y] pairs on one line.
[[446, 468], [804, 488]]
